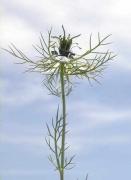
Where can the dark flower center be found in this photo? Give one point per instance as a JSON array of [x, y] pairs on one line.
[[65, 46]]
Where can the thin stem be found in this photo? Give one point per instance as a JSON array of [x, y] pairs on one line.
[[64, 120]]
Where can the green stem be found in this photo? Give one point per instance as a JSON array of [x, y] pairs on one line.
[[64, 120]]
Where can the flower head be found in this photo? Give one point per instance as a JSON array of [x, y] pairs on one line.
[[57, 51]]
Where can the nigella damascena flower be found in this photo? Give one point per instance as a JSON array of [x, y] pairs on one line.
[[57, 52]]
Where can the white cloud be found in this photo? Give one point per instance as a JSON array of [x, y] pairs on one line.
[[23, 93], [77, 142], [22, 172], [52, 10], [17, 31], [80, 142], [110, 16], [22, 140], [95, 114], [123, 63]]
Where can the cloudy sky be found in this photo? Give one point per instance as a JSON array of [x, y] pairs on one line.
[[99, 116]]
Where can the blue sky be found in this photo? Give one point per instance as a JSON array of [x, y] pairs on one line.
[[99, 116]]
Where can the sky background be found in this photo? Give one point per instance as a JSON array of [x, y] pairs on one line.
[[99, 116]]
